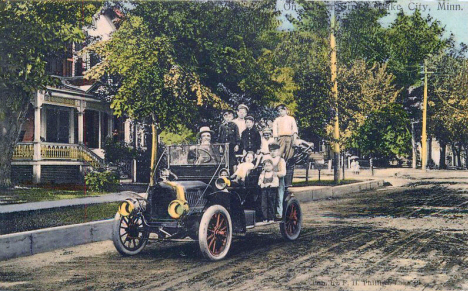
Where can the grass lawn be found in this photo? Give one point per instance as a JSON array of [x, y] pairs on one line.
[[324, 182], [37, 219], [26, 194]]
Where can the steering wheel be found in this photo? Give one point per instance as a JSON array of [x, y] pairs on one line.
[[208, 155]]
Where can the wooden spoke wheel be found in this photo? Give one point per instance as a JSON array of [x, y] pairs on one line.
[[291, 225], [129, 234], [215, 233]]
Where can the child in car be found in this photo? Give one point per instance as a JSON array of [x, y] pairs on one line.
[[269, 183], [243, 169]]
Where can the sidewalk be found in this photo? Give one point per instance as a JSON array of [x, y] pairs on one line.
[[46, 239], [113, 197]]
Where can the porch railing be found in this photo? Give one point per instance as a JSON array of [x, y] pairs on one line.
[[23, 151], [58, 151]]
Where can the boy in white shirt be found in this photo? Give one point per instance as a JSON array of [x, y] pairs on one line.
[[285, 132]]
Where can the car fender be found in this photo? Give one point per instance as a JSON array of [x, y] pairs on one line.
[[232, 202]]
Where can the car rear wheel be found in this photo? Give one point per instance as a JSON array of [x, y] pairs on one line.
[[215, 233], [291, 225], [129, 234]]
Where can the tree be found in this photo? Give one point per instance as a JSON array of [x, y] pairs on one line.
[[362, 90], [30, 32], [411, 39], [303, 54], [384, 134], [448, 99], [361, 36], [177, 60]]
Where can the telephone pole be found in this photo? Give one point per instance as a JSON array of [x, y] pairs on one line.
[[336, 132], [424, 133]]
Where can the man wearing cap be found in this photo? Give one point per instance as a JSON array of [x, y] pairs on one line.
[[279, 166], [285, 132], [251, 140], [242, 111], [229, 133]]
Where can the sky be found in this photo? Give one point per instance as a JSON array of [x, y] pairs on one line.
[[453, 14]]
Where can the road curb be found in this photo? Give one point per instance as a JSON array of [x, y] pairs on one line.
[[42, 240], [306, 195]]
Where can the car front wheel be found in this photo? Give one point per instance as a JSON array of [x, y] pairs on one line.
[[129, 234], [215, 233]]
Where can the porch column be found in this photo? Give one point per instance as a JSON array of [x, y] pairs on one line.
[[80, 125], [100, 129], [127, 131], [37, 137], [71, 138], [110, 125]]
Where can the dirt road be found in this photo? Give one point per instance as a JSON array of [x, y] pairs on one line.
[[412, 238]]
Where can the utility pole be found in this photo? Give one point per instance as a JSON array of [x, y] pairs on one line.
[[336, 132], [154, 149], [424, 133]]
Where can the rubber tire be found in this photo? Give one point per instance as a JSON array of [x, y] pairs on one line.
[[121, 248], [283, 231], [203, 232]]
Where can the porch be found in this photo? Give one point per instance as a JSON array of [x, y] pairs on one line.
[[63, 135]]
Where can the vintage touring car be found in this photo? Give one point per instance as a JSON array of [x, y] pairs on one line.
[[201, 203]]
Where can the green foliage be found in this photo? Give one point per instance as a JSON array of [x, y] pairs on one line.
[[304, 55], [101, 181], [29, 33], [173, 56], [116, 152], [362, 89], [183, 136], [448, 97], [361, 36], [411, 39], [385, 134]]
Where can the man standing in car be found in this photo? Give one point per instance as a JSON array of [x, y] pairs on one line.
[[251, 140], [285, 132], [229, 133], [242, 111]]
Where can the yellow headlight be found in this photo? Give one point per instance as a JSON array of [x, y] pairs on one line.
[[126, 208], [177, 208], [222, 183]]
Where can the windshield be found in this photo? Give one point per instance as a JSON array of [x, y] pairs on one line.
[[197, 154]]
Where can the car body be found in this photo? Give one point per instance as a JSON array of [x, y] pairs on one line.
[[201, 204]]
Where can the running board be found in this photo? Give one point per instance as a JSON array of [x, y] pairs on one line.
[[257, 224]]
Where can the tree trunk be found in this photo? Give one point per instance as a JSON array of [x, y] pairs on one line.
[[414, 149], [442, 164], [429, 152], [10, 126], [371, 165], [466, 156], [459, 162]]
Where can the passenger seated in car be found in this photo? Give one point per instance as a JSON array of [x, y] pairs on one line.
[[167, 175], [269, 183], [243, 169]]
